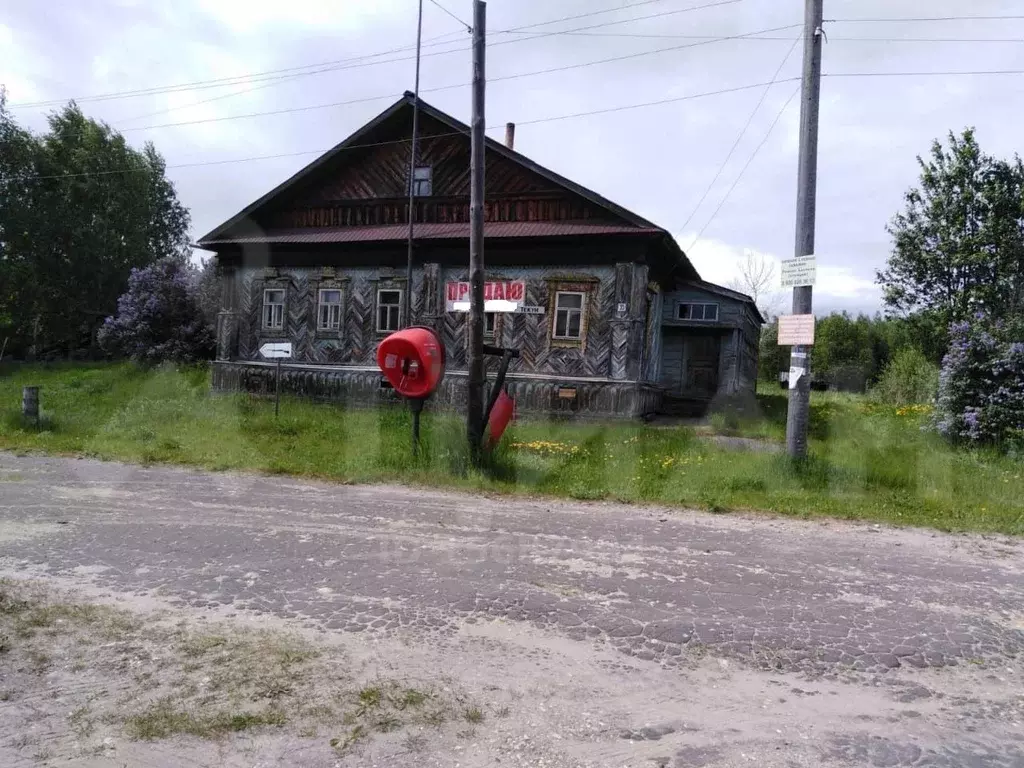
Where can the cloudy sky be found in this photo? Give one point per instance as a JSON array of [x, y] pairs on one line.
[[658, 160]]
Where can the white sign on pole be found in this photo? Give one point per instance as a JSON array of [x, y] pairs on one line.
[[800, 271], [276, 349], [795, 374], [796, 329]]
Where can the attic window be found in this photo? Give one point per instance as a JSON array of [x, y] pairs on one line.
[[421, 181], [704, 312]]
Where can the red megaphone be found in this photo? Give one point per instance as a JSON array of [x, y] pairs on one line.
[[412, 360]]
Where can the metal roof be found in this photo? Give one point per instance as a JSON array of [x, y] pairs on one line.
[[460, 231]]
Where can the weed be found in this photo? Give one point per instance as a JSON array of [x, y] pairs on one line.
[[387, 723], [473, 715], [343, 743], [81, 722], [412, 697], [370, 697]]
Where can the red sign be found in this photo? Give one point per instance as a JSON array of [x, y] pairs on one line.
[[497, 290]]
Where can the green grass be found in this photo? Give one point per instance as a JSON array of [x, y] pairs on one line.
[[867, 461], [165, 718]]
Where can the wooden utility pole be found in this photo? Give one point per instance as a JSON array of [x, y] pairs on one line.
[[806, 200], [475, 397], [407, 297]]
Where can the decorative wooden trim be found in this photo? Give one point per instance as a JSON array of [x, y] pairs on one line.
[[574, 284]]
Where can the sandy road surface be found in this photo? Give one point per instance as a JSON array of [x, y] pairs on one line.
[[612, 635]]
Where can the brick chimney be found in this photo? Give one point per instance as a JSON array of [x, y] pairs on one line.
[[510, 135]]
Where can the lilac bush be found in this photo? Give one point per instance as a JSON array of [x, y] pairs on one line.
[[158, 318], [981, 385]]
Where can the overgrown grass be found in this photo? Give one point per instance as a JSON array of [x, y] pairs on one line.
[[867, 461]]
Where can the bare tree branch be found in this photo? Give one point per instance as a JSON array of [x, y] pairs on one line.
[[757, 279]]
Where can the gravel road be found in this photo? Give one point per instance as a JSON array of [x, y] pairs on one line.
[[623, 636]]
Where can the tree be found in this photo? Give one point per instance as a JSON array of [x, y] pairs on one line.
[[844, 351], [981, 384], [159, 318], [958, 246], [758, 281], [773, 359], [80, 209]]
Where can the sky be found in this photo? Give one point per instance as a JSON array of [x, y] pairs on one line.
[[672, 162]]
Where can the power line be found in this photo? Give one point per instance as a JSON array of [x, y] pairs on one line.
[[467, 26], [743, 132], [515, 76], [922, 18], [831, 39], [554, 118], [749, 161], [327, 66], [949, 73]]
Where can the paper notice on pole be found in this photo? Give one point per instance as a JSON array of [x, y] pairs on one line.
[[796, 329], [800, 271], [795, 374]]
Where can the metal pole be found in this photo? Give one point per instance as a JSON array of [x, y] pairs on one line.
[[407, 297], [807, 181], [416, 407], [475, 398], [277, 390]]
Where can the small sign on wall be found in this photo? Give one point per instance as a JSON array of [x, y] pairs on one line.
[[796, 329]]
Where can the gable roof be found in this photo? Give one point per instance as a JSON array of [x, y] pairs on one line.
[[220, 232], [729, 293]]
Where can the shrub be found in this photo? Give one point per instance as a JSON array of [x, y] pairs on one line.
[[908, 379], [981, 386], [158, 318]]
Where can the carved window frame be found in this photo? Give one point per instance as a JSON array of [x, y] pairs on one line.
[[584, 285]]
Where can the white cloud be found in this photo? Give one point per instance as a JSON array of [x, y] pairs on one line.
[[247, 16]]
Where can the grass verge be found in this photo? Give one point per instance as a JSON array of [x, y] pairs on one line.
[[147, 678], [866, 462]]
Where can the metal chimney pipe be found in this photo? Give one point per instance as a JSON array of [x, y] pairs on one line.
[[510, 135]]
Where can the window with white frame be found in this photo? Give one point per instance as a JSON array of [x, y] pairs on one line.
[[389, 308], [569, 315], [702, 312], [273, 309], [329, 312], [490, 323], [421, 181]]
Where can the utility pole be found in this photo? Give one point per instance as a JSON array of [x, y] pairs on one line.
[[806, 200], [407, 297], [475, 398]]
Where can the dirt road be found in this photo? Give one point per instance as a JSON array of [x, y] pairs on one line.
[[608, 635]]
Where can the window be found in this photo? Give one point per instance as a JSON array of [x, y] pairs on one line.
[[389, 308], [421, 181], [273, 309], [569, 315], [329, 314], [489, 324], [703, 312]]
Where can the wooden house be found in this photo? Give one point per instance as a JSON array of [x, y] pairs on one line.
[[614, 321]]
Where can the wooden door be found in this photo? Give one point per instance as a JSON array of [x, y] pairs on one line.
[[700, 365]]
